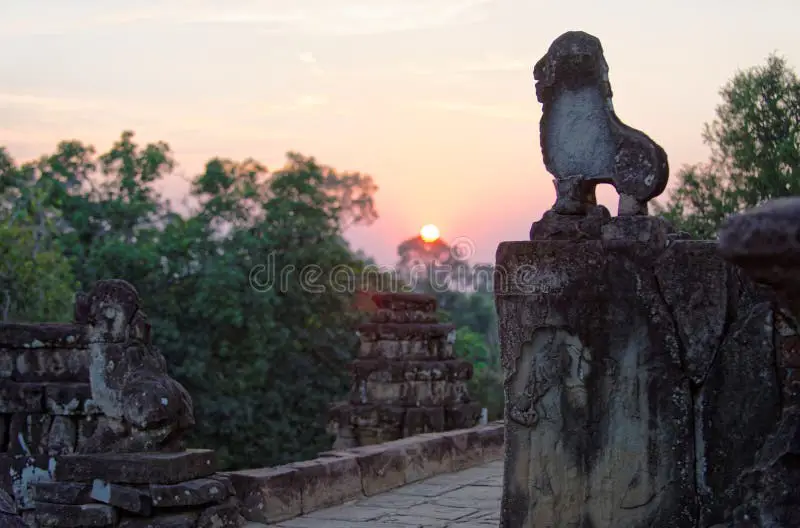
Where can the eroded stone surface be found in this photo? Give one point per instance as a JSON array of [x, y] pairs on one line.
[[599, 408], [191, 493], [405, 378], [583, 141], [648, 381], [765, 242], [466, 499], [66, 516], [128, 376], [137, 468]]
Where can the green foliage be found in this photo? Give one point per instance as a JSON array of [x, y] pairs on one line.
[[36, 282], [755, 147], [486, 385], [238, 291]]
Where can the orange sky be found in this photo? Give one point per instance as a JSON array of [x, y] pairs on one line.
[[434, 98]]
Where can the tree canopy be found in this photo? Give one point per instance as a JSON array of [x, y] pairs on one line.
[[755, 151], [262, 360]]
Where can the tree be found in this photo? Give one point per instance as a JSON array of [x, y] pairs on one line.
[[261, 361], [755, 151], [36, 282]]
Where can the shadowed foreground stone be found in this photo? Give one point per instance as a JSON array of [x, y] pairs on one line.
[[271, 495], [765, 243], [646, 377], [138, 468], [92, 425]]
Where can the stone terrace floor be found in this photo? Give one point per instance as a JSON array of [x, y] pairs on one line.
[[467, 499]]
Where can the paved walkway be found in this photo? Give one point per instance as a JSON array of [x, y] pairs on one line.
[[467, 499]]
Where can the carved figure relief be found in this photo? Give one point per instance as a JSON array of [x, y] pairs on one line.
[[553, 363]]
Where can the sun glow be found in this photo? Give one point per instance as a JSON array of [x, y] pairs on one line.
[[429, 233]]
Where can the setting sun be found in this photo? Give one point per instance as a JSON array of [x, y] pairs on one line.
[[429, 233]]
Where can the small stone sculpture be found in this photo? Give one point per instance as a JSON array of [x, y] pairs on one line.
[[144, 409], [583, 141]]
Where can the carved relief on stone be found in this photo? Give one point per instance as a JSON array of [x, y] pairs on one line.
[[145, 408], [583, 141], [552, 364]]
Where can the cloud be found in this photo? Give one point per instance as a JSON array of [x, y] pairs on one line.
[[307, 57], [489, 63], [344, 17], [51, 104], [497, 111]]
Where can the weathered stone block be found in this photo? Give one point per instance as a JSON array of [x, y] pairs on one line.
[[66, 398], [466, 448], [268, 495], [462, 415], [8, 362], [404, 332], [18, 473], [492, 438], [225, 515], [700, 312], [389, 416], [42, 335], [191, 493], [123, 497], [459, 370], [138, 468], [21, 397], [61, 492], [63, 435], [383, 467], [427, 455], [67, 516], [378, 370], [421, 370], [742, 388], [444, 348], [403, 316], [596, 387], [52, 364], [405, 302], [169, 520], [327, 481], [29, 434], [377, 434], [789, 351], [420, 420]]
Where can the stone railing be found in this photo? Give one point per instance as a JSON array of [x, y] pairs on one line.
[[271, 495], [92, 425]]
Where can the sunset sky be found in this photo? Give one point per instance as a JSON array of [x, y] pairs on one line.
[[433, 98]]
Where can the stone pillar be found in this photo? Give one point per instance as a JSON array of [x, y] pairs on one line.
[[405, 378], [648, 381], [599, 402]]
